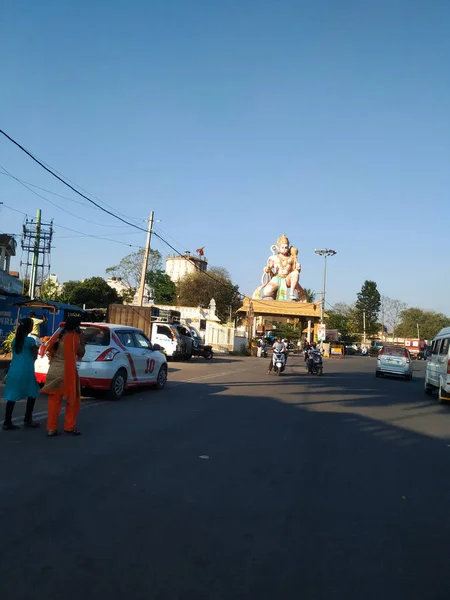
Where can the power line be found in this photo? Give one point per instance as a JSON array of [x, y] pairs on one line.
[[41, 164], [81, 233], [25, 185], [116, 216], [8, 174]]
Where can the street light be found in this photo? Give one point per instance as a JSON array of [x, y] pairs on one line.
[[325, 253]]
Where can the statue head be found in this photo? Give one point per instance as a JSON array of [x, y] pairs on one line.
[[283, 245]]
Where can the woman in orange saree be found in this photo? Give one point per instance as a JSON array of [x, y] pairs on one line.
[[62, 378]]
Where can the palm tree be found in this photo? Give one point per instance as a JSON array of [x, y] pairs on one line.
[[310, 294]]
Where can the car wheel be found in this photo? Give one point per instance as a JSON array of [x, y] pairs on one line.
[[118, 384], [187, 356], [208, 355], [161, 380], [427, 388]]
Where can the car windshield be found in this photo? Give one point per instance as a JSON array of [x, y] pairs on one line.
[[194, 332], [96, 336], [394, 351]]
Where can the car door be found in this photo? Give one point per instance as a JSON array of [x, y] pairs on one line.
[[432, 363], [146, 362], [126, 338], [442, 360]]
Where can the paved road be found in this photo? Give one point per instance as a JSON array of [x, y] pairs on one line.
[[232, 484]]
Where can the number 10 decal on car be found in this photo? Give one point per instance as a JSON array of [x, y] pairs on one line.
[[150, 366]]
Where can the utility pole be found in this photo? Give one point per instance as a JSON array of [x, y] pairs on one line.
[[364, 326], [250, 322], [418, 331], [34, 266], [145, 261]]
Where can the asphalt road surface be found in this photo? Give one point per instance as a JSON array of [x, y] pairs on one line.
[[233, 484]]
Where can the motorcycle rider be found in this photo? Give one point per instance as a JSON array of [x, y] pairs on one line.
[[278, 346], [309, 356]]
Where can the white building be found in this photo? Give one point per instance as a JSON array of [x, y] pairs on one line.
[[117, 284], [178, 267]]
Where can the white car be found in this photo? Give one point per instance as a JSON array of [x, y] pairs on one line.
[[394, 360], [117, 357]]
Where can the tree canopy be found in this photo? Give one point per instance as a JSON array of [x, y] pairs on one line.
[[342, 318], [199, 288], [164, 289], [426, 323], [367, 307], [130, 267], [93, 292]]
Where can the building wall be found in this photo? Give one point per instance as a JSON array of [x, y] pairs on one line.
[[178, 267]]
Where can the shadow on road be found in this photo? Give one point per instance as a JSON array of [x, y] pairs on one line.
[[207, 494]]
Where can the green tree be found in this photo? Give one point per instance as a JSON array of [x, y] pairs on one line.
[[130, 267], [310, 294], [367, 308], [341, 317], [426, 323], [93, 292], [164, 289], [50, 290], [287, 331], [199, 288]]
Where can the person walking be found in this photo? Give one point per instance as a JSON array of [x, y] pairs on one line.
[[21, 381], [62, 378]]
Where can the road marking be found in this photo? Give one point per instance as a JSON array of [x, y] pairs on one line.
[[204, 377]]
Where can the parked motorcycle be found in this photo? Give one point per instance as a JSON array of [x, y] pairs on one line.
[[201, 350], [279, 362], [314, 363]]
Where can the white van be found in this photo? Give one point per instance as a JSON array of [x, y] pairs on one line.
[[169, 339], [437, 374]]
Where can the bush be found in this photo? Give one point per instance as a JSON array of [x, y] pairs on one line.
[[6, 347], [244, 351]]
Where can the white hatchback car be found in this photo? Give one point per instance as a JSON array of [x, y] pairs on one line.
[[117, 357], [394, 360]]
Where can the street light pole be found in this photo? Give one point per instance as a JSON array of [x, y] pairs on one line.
[[325, 253]]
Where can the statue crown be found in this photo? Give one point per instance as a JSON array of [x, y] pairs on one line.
[[283, 240]]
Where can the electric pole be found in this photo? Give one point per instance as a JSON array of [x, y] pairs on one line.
[[37, 243], [364, 326], [145, 261]]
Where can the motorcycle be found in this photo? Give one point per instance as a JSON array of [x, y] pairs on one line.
[[201, 350], [314, 363], [279, 362]]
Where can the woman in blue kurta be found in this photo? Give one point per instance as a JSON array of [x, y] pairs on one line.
[[21, 380]]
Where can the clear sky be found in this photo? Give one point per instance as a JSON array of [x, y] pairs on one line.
[[237, 121]]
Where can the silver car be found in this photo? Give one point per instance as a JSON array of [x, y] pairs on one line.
[[394, 360]]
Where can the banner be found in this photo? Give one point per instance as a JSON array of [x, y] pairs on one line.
[[321, 332]]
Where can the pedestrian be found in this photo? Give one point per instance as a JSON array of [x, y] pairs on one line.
[[21, 381], [62, 378], [36, 331]]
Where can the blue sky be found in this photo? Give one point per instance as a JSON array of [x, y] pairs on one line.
[[236, 122]]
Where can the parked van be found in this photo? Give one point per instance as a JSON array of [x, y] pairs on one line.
[[169, 339], [437, 374]]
